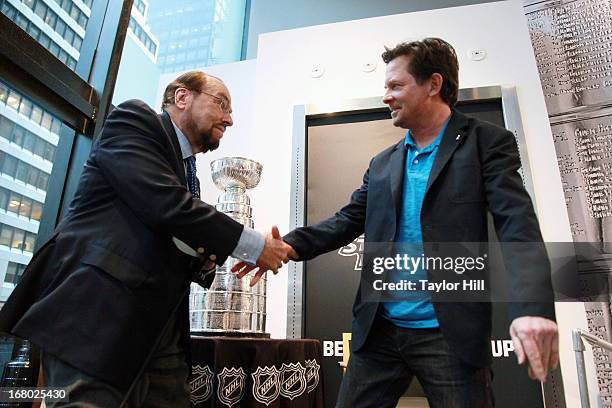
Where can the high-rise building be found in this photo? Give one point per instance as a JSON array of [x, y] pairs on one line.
[[138, 74], [28, 138], [139, 31], [196, 33], [170, 36], [184, 32]]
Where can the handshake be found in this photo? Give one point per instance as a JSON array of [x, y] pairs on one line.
[[274, 254]]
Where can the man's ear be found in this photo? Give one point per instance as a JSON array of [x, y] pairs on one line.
[[435, 84], [180, 97]]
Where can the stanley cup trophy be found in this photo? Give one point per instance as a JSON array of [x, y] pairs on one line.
[[231, 306]]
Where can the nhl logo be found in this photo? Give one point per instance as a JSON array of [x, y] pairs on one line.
[[312, 374], [266, 384], [231, 385], [293, 380], [201, 384]]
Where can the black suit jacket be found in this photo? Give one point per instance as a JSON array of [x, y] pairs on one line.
[[98, 294], [475, 170]]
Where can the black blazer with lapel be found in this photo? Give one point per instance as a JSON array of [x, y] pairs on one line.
[[98, 294], [475, 171]]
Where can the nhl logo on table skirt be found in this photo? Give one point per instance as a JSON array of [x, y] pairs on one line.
[[293, 380], [312, 374], [266, 384], [231, 385], [201, 384]]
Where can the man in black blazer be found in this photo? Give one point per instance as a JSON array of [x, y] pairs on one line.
[[106, 297], [436, 186]]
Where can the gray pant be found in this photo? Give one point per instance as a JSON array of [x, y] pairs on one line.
[[163, 384]]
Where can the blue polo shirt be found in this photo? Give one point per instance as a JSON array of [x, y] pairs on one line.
[[417, 313]]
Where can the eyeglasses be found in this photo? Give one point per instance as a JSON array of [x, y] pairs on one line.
[[222, 102]]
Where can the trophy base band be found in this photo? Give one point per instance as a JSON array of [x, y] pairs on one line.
[[223, 333]]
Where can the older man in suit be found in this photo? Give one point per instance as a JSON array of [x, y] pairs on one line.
[[436, 185], [105, 297]]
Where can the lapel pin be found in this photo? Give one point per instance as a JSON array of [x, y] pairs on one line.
[[458, 136]]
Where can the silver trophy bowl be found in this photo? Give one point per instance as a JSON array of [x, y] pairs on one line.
[[230, 306], [230, 173]]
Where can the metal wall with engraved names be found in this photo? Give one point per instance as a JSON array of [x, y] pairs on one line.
[[572, 42]]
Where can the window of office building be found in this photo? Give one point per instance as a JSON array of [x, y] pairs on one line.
[[16, 239], [5, 236], [14, 271], [33, 114], [16, 204], [11, 272], [23, 172]]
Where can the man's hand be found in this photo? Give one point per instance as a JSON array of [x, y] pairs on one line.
[[536, 340], [274, 254]]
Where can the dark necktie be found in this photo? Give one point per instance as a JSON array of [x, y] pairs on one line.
[[192, 180], [204, 270]]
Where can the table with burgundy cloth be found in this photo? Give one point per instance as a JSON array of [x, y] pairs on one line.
[[255, 372]]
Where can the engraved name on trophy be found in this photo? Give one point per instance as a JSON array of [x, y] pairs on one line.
[[231, 306]]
